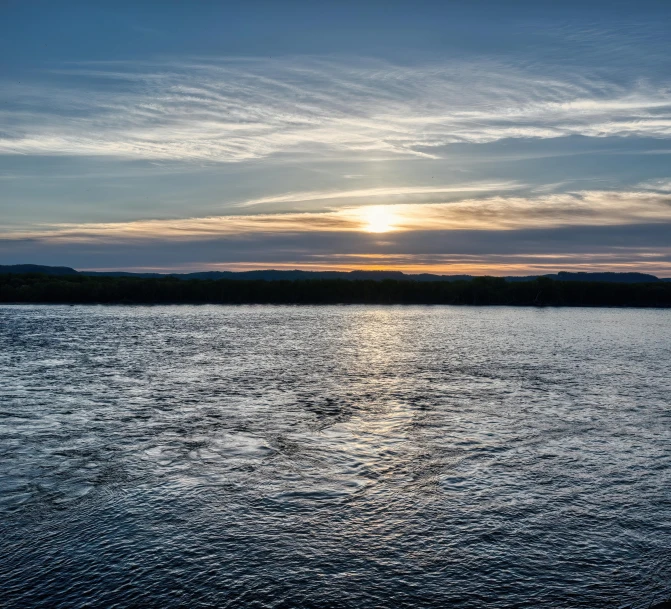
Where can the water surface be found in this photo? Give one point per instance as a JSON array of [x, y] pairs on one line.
[[372, 456]]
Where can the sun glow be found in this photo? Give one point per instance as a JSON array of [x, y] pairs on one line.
[[378, 219]]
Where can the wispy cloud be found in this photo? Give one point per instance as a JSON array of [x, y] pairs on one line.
[[662, 185], [227, 111], [392, 192], [499, 213]]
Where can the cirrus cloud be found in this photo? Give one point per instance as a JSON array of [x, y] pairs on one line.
[[497, 213], [228, 111]]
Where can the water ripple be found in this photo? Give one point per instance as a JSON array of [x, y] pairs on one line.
[[334, 457]]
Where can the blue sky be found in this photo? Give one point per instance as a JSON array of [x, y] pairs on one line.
[[485, 137]]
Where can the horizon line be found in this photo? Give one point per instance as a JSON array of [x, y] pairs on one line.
[[291, 269]]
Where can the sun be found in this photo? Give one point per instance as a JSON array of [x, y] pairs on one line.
[[378, 219]]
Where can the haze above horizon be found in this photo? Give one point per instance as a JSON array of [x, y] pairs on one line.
[[500, 138]]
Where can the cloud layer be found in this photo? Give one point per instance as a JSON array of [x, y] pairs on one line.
[[497, 213], [229, 111]]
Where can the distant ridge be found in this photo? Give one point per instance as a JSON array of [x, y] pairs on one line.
[[37, 268], [274, 275], [610, 277]]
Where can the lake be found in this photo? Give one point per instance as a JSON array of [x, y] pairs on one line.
[[334, 456]]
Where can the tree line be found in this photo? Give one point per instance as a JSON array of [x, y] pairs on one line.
[[543, 291]]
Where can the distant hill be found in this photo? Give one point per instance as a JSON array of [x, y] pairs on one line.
[[37, 268], [274, 275], [609, 277], [267, 274]]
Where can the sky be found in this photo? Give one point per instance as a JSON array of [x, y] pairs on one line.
[[484, 137]]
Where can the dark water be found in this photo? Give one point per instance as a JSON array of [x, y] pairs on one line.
[[334, 457]]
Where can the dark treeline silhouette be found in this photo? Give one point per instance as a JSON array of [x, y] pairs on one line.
[[542, 291]]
